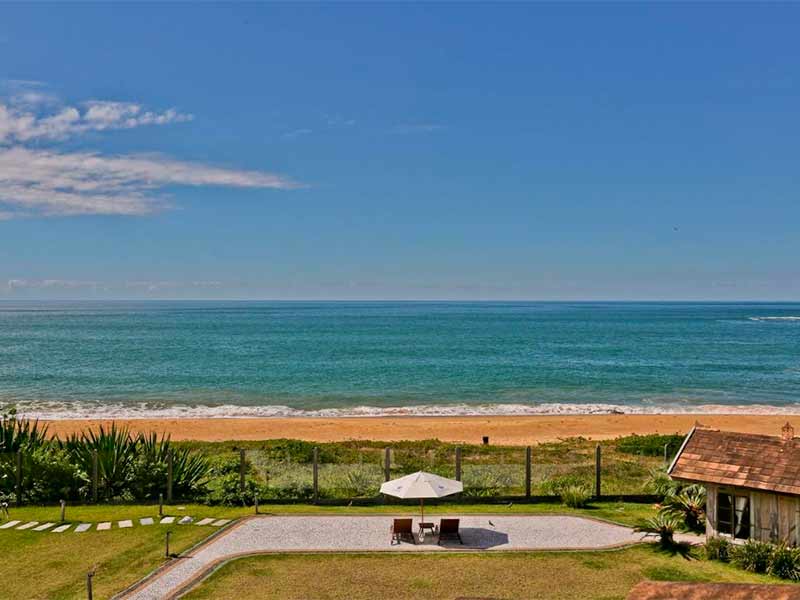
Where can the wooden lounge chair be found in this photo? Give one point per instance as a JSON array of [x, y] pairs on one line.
[[403, 529], [448, 530]]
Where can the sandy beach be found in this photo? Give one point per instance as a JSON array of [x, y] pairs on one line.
[[501, 429]]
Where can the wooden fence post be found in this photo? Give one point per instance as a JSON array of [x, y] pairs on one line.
[[241, 471], [19, 478], [63, 510], [458, 463], [387, 464], [95, 476], [315, 473], [89, 576], [597, 469], [528, 453], [169, 477]]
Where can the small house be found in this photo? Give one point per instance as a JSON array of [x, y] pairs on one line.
[[752, 482]]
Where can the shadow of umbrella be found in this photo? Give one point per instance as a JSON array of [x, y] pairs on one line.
[[479, 537]]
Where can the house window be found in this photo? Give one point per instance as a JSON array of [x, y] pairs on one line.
[[733, 514]]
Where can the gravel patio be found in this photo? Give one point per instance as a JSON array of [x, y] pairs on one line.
[[372, 533]]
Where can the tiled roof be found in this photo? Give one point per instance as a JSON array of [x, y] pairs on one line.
[[760, 462], [651, 590]]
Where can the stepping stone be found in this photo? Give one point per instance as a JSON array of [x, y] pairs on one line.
[[83, 527], [146, 521], [43, 526], [125, 524], [104, 526], [205, 521], [28, 525], [62, 528], [10, 524], [186, 520], [220, 522], [167, 520]]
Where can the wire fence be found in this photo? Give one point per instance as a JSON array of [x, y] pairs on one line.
[[300, 472]]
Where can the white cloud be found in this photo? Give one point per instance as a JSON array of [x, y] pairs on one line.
[[21, 122], [46, 182], [59, 184]]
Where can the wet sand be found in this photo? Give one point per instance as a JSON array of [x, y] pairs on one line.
[[501, 429]]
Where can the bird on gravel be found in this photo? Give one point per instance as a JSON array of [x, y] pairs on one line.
[[492, 524]]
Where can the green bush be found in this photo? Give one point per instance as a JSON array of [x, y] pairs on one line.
[[650, 445], [481, 481], [557, 485], [784, 562], [718, 548], [576, 496], [751, 556]]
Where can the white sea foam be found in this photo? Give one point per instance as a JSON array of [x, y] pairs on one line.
[[787, 318], [75, 410]]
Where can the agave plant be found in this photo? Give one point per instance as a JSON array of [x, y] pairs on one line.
[[688, 505], [189, 471], [20, 434], [115, 451]]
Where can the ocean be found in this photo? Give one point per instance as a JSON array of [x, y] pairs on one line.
[[236, 359]]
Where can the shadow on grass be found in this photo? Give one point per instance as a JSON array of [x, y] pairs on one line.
[[682, 549]]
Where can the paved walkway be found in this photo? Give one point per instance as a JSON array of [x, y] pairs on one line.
[[371, 533]]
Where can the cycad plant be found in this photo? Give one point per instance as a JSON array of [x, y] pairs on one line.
[[689, 505], [663, 525]]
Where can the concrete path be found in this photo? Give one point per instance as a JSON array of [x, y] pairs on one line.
[[372, 533]]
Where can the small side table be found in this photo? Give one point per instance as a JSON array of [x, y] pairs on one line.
[[424, 527]]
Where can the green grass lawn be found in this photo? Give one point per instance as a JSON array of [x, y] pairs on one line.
[[598, 575], [53, 566], [39, 565]]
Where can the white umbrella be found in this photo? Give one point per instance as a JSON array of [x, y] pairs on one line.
[[422, 485]]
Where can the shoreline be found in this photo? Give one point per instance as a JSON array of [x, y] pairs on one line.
[[506, 430]]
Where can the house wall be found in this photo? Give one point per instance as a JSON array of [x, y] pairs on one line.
[[773, 517]]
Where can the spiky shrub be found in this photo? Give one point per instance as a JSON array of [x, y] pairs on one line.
[[20, 434], [576, 496], [718, 548], [688, 505], [784, 562], [663, 525], [115, 453], [150, 466], [751, 556]]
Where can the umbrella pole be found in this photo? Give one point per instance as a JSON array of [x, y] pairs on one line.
[[422, 509]]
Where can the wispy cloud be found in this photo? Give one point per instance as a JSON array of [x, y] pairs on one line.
[[79, 183], [296, 133], [412, 128], [19, 123], [37, 179], [70, 285]]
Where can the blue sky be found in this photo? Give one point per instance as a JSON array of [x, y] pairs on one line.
[[400, 151]]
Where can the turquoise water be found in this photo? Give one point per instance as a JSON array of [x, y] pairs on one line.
[[241, 358]]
